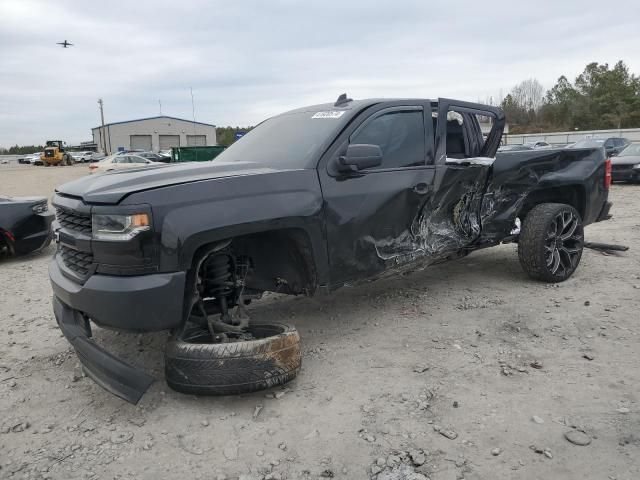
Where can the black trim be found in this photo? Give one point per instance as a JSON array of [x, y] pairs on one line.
[[604, 213]]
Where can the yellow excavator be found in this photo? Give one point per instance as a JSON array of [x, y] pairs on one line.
[[55, 154]]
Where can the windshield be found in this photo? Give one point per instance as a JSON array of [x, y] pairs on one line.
[[291, 140], [630, 151]]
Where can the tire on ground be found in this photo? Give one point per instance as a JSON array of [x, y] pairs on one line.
[[195, 365], [534, 238]]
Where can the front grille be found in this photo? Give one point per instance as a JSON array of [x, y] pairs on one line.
[[79, 262], [72, 220]]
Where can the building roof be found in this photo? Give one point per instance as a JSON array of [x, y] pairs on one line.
[[154, 118]]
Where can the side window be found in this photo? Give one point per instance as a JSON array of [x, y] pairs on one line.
[[465, 138], [400, 136]]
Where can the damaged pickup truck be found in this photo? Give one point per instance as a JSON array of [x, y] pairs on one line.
[[307, 202]]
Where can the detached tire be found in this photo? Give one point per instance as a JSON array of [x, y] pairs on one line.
[[195, 365], [551, 242]]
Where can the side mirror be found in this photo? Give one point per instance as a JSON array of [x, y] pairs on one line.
[[360, 157]]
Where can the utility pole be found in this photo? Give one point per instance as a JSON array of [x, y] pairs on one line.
[[103, 138], [193, 110], [160, 103]]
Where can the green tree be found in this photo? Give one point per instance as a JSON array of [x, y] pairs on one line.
[[227, 135], [600, 98]]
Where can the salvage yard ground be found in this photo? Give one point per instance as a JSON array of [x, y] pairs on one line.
[[473, 368]]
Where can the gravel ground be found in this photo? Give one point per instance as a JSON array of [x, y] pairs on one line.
[[465, 370]]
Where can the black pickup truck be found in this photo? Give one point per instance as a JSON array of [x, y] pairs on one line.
[[307, 202]]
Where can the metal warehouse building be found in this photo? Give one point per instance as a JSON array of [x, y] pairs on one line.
[[153, 134]]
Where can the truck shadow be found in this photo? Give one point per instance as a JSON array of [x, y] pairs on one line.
[[323, 319]]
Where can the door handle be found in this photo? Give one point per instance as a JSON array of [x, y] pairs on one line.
[[421, 188]]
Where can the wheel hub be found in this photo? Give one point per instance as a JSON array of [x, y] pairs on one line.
[[564, 243]]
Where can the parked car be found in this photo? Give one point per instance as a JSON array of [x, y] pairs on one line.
[[127, 152], [514, 148], [538, 145], [82, 157], [308, 201], [612, 145], [154, 157], [119, 162], [34, 159], [25, 225], [626, 165]]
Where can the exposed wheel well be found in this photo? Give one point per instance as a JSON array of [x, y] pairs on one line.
[[279, 260], [571, 195]]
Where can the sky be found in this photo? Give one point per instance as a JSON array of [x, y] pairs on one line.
[[248, 60]]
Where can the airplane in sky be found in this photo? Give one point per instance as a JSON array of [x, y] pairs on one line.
[[65, 44]]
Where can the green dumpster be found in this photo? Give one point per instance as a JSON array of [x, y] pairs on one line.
[[196, 154]]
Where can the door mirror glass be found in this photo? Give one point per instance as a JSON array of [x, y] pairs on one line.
[[360, 156]]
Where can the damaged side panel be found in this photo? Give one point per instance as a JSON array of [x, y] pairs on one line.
[[383, 222], [439, 226], [519, 180]]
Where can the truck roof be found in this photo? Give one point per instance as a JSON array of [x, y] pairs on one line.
[[354, 104]]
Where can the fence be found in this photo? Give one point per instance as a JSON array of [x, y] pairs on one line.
[[556, 138]]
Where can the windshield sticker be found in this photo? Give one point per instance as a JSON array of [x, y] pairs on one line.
[[331, 114]]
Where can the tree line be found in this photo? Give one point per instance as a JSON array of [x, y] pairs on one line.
[[21, 150], [227, 135], [601, 97]]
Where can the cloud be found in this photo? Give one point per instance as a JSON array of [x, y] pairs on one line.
[[247, 60]]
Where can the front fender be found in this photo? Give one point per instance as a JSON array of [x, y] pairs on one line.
[[189, 216]]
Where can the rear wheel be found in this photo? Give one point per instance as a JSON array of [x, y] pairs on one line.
[[551, 242]]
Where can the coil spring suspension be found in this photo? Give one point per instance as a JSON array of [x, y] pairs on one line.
[[218, 276]]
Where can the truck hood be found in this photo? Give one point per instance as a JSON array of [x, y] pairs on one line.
[[112, 187]]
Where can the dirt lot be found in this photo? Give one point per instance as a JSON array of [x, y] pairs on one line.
[[472, 349]]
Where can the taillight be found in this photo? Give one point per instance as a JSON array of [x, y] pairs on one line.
[[607, 173], [93, 166]]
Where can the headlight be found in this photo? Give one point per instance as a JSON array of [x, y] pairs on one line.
[[637, 166], [119, 227]]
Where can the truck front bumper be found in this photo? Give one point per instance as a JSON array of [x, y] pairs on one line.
[[111, 373], [143, 303], [140, 304]]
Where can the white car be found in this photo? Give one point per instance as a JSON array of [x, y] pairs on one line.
[[34, 158], [81, 157], [120, 162]]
